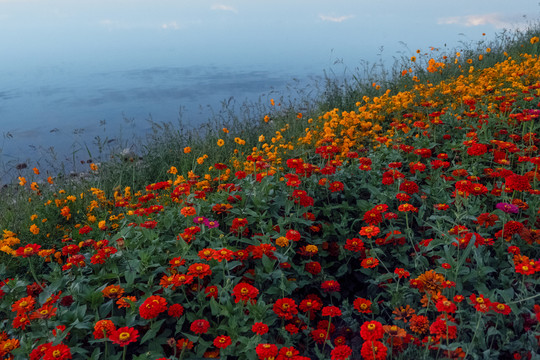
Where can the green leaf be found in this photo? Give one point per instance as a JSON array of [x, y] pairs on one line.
[[150, 334]]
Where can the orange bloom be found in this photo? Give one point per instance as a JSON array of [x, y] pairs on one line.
[[113, 291], [369, 231], [188, 211]]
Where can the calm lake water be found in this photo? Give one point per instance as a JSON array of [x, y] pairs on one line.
[[76, 70]]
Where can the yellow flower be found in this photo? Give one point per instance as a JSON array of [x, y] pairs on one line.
[[173, 170], [33, 217], [413, 58], [535, 39], [200, 160], [261, 138], [266, 118], [272, 102], [34, 229], [187, 150], [220, 142]]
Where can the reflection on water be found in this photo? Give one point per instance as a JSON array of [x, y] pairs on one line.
[[65, 112]]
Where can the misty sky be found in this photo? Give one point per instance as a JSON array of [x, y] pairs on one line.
[[131, 33]]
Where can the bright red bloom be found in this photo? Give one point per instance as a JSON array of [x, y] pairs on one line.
[[331, 311], [175, 310], [362, 305], [103, 329], [517, 183], [266, 351], [370, 262], [38, 352], [245, 292], [341, 352], [124, 336], [445, 305], [200, 326], [293, 235], [222, 341], [285, 308], [330, 286], [477, 149], [371, 330], [369, 231], [501, 308], [28, 250], [259, 328], [23, 305], [354, 245], [287, 353], [373, 350], [199, 270], [310, 305], [401, 273], [319, 335], [20, 321], [211, 291], [336, 186], [373, 217], [442, 329], [152, 307], [57, 352], [410, 187]]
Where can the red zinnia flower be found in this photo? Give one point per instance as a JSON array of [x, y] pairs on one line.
[[103, 329], [341, 352], [354, 245], [319, 335], [175, 310], [373, 217], [245, 292], [373, 350], [330, 286], [331, 311], [222, 341], [293, 235], [501, 308], [371, 330], [259, 328], [336, 186], [369, 231], [285, 308], [362, 305], [266, 351], [152, 307], [57, 352], [199, 270], [28, 250], [124, 335], [369, 263], [23, 305], [200, 326], [287, 353]]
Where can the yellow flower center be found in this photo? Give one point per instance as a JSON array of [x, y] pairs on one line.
[[124, 336], [371, 327]]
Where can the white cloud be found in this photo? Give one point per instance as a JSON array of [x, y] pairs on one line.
[[335, 18], [499, 21], [173, 25], [223, 7]]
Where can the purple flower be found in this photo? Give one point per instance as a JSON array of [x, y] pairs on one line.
[[199, 220], [508, 208], [211, 223]]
